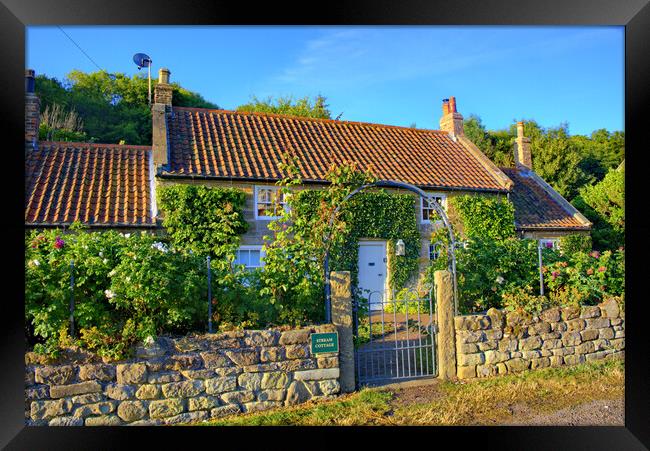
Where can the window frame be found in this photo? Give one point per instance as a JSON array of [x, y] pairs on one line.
[[255, 208], [443, 203], [438, 246], [556, 243], [252, 247]]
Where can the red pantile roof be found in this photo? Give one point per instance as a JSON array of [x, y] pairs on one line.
[[228, 144], [96, 184], [535, 207]]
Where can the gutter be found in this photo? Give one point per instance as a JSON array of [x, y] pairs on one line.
[[36, 225], [170, 176]]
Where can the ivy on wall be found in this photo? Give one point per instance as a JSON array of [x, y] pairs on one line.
[[484, 217], [373, 215], [203, 219]]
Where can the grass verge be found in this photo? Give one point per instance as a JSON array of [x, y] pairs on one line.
[[479, 401]]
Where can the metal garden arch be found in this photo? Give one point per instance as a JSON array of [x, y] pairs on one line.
[[451, 255]]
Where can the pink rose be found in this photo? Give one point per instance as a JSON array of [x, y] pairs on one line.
[[602, 269], [590, 271], [595, 254]]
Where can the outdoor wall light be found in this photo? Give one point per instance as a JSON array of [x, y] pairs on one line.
[[400, 248]]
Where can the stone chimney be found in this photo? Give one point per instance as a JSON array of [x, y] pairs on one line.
[[451, 120], [163, 91], [523, 157], [32, 112], [159, 112]]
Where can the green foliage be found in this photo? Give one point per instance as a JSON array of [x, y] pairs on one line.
[[113, 106], [496, 145], [566, 162], [485, 217], [488, 268], [56, 124], [205, 220], [589, 277], [410, 300], [126, 287], [575, 242], [604, 205], [304, 107], [292, 278], [523, 298]]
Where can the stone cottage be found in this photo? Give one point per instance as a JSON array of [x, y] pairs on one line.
[[107, 185]]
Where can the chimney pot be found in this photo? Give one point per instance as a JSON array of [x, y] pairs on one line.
[[451, 121], [163, 92], [29, 80], [452, 104], [163, 75]]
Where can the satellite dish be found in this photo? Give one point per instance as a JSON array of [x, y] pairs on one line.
[[142, 60]]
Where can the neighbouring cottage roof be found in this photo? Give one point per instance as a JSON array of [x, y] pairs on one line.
[[96, 184], [229, 144], [539, 207]]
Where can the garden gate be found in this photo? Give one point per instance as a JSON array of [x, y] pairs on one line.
[[394, 336]]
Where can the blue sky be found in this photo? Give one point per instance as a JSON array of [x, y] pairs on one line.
[[389, 75]]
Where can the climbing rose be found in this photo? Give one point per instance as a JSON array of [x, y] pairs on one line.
[[590, 271], [595, 254], [602, 269], [59, 243]]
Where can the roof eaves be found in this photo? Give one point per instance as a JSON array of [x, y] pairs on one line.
[[172, 175], [573, 211]]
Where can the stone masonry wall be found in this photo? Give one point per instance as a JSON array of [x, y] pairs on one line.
[[501, 343], [182, 380]]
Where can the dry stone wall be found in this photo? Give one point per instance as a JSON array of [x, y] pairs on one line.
[[182, 380], [502, 343]]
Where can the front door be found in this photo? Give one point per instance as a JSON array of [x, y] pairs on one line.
[[372, 271]]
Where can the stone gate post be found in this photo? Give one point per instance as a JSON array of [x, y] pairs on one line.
[[445, 321], [342, 319]]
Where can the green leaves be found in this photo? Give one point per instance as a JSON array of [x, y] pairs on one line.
[[303, 107], [206, 220], [127, 286], [114, 107], [485, 217]]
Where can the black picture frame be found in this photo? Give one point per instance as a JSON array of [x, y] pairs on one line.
[[15, 15]]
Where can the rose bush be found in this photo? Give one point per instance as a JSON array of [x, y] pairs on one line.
[[126, 287]]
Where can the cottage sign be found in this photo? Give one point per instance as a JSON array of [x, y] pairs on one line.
[[324, 342]]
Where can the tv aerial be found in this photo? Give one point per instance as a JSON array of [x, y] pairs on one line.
[[142, 60]]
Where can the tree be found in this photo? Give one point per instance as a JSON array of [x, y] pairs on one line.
[[113, 107], [304, 107], [604, 205], [557, 160], [496, 145]]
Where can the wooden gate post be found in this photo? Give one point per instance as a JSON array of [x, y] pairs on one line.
[[445, 321], [342, 319]]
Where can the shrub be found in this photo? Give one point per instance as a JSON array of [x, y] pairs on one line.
[[575, 242], [591, 276], [126, 287], [522, 298], [487, 269]]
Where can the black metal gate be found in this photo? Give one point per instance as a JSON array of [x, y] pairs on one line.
[[394, 337]]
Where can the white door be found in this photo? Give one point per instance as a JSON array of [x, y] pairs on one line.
[[372, 271]]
